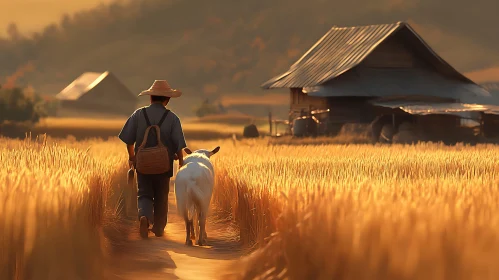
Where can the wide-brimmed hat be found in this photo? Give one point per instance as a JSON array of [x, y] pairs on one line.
[[161, 88]]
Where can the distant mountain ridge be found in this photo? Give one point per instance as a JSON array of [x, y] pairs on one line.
[[224, 47]]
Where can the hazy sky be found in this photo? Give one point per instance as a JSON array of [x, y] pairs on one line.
[[31, 15]]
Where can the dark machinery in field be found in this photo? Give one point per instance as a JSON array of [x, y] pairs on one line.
[[305, 126], [446, 122]]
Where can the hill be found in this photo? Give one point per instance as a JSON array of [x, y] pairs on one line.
[[225, 47], [39, 13]]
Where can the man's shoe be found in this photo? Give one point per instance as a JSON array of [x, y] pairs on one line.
[[158, 232], [144, 227]]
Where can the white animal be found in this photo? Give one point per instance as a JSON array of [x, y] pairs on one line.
[[193, 189]]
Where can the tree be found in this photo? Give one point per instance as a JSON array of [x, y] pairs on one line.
[[15, 106], [13, 31], [65, 23], [207, 108]]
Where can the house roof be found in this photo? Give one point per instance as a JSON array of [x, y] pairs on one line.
[[340, 50], [83, 84]]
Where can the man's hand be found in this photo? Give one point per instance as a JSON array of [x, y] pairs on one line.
[[131, 156], [131, 161], [180, 157]]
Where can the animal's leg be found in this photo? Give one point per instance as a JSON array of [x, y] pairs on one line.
[[193, 234], [188, 226], [202, 229], [195, 228], [192, 221]]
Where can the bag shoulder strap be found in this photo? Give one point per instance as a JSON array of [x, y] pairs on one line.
[[146, 116], [156, 127], [163, 117], [160, 121]]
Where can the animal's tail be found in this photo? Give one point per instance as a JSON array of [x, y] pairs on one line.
[[181, 197], [193, 196]]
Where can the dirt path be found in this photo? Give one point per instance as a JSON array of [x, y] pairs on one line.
[[168, 258]]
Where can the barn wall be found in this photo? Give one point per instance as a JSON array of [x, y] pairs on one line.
[[300, 101], [342, 109], [491, 125], [403, 50], [392, 53], [345, 110], [350, 109], [438, 127]]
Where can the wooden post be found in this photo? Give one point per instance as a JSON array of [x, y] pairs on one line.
[[270, 123], [482, 123]]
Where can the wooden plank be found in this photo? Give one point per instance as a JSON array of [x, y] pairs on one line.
[[270, 123]]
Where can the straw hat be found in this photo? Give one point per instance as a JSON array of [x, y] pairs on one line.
[[161, 88]]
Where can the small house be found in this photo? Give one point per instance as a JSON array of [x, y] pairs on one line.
[[97, 93]]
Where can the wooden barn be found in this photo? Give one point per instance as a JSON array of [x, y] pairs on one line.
[[97, 93], [362, 73]]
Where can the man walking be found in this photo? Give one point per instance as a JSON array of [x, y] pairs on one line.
[[153, 188]]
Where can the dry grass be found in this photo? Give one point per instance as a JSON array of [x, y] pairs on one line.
[[306, 141], [84, 128], [232, 119], [349, 134], [362, 212], [82, 123], [60, 208]]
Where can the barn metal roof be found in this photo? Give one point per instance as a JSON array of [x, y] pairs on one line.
[[340, 50]]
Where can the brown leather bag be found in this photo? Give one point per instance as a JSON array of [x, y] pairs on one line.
[[156, 159]]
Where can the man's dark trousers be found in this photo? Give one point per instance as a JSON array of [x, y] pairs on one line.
[[152, 199]]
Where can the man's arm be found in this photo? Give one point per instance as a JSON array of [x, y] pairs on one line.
[[178, 140], [128, 136], [131, 155]]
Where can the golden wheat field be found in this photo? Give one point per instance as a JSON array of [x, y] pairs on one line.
[[363, 212], [310, 212], [61, 213]]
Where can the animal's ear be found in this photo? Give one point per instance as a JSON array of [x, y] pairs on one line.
[[214, 151], [188, 151]]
